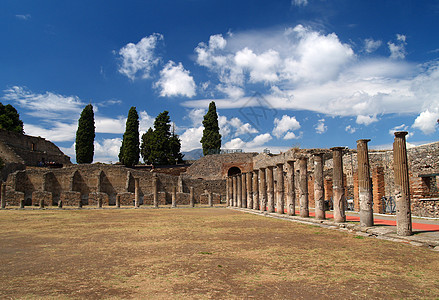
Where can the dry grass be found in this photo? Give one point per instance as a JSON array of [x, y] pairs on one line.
[[200, 253]]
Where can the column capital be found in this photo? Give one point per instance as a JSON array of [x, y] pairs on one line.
[[363, 141], [338, 148], [400, 134]]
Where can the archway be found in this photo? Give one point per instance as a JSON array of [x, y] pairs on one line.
[[233, 171]]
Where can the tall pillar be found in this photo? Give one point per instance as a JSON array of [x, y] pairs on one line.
[[262, 190], [303, 187], [319, 189], [118, 201], [255, 190], [174, 197], [235, 190], [291, 190], [3, 195], [228, 193], [239, 190], [136, 192], [180, 184], [42, 203], [155, 191], [338, 185], [364, 184], [402, 185], [280, 188], [270, 189], [249, 178], [191, 196], [244, 190], [209, 198]]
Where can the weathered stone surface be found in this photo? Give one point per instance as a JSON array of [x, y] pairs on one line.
[[291, 190], [319, 191], [262, 190], [270, 189], [280, 188], [38, 196], [364, 184], [338, 185], [303, 187], [70, 198]]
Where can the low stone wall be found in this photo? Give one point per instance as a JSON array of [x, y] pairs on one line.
[[38, 196], [70, 198], [425, 208]]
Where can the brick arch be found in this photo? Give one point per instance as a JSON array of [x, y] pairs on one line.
[[233, 171]]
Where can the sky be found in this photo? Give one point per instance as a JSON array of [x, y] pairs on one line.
[[292, 73]]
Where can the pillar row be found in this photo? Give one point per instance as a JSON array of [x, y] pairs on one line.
[[303, 187], [364, 184], [255, 189], [270, 189], [319, 189], [280, 188], [249, 179], [338, 185], [262, 190], [291, 190]]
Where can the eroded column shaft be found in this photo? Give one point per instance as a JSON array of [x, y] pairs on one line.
[[319, 190], [402, 185], [239, 190], [174, 197], [291, 190], [303, 187], [249, 178], [364, 184], [191, 196], [155, 191], [244, 190], [255, 190], [270, 189], [262, 190], [136, 192], [209, 198], [3, 195], [338, 197], [235, 190], [280, 188]]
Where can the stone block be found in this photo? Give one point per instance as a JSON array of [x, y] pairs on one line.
[[37, 196], [70, 198]]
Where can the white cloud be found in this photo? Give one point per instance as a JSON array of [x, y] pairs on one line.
[[196, 116], [292, 136], [145, 122], [284, 125], [190, 139], [397, 50], [175, 81], [107, 150], [59, 132], [427, 121], [110, 125], [299, 2], [223, 124], [366, 120], [262, 68], [139, 59], [236, 143], [350, 129], [401, 127], [321, 127], [241, 128], [252, 145], [370, 45], [23, 17], [259, 140]]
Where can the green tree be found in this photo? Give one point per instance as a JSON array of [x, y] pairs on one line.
[[146, 146], [211, 140], [129, 151], [175, 148], [10, 119], [85, 136]]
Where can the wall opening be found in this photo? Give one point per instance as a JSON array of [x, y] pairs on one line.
[[233, 171]]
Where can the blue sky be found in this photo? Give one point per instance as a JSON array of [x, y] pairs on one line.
[[308, 73]]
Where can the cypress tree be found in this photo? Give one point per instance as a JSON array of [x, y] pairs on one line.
[[160, 142], [146, 146], [129, 151], [175, 147], [85, 136], [10, 119], [211, 140]]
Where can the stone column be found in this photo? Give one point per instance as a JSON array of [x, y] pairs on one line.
[[180, 184], [249, 178], [155, 195], [42, 203], [262, 190], [364, 184], [191, 196], [22, 203], [136, 192], [209, 198], [227, 191], [303, 187], [319, 189], [280, 188], [99, 201], [59, 203], [270, 189], [402, 185], [117, 201], [291, 190], [174, 197], [230, 199], [239, 190], [244, 190], [255, 190], [338, 185], [3, 195], [235, 190]]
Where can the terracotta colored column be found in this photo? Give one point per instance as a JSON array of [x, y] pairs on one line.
[[262, 190], [291, 190], [402, 185], [255, 189], [191, 196], [3, 195], [155, 195], [174, 197], [136, 192], [303, 187], [270, 189], [235, 190], [239, 190], [249, 178], [319, 189], [338, 185], [118, 201], [364, 184], [280, 202], [244, 190]]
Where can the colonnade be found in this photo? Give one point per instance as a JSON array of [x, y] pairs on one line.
[[263, 188]]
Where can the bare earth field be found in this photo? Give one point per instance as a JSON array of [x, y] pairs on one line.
[[200, 253]]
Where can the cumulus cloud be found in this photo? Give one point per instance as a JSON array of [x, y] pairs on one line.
[[105, 150], [175, 81], [350, 129], [190, 139], [299, 2], [23, 17], [286, 125], [427, 121], [196, 116], [397, 49], [139, 59], [366, 120], [251, 145], [370, 45], [401, 127], [58, 131], [321, 127]]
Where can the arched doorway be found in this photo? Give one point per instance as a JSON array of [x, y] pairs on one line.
[[233, 171]]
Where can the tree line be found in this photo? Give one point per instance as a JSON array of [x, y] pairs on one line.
[[160, 145]]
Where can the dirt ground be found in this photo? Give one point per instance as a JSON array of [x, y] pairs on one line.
[[200, 253]]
